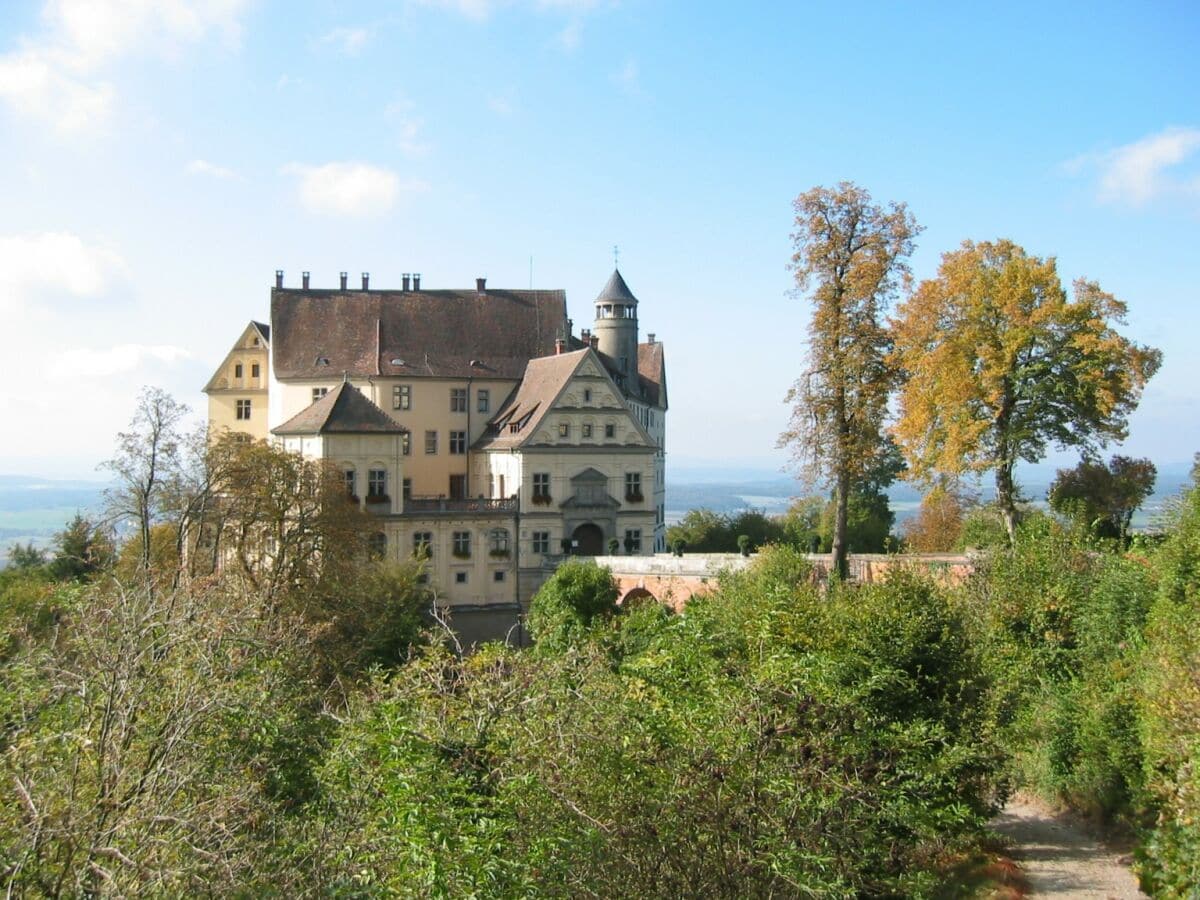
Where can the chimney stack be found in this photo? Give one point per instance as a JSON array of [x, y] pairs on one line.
[[481, 285], [585, 335], [559, 345], [595, 341], [416, 281], [405, 280], [366, 280], [279, 278], [343, 277], [304, 280], [650, 337]]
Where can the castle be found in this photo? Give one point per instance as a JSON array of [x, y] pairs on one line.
[[473, 425]]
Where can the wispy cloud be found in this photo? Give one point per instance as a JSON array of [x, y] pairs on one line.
[[60, 75], [349, 188], [569, 37], [36, 265], [410, 127], [627, 78], [502, 104], [481, 10], [348, 40], [210, 170], [1157, 166], [85, 362]]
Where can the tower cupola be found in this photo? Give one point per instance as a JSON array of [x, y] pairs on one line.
[[616, 324]]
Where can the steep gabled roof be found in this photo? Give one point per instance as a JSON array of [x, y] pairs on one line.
[[264, 331], [652, 372], [616, 290], [344, 410], [219, 380], [525, 407], [451, 334]]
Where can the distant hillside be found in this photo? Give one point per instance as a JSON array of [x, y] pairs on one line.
[[33, 509]]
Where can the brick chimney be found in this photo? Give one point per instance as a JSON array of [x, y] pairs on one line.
[[585, 335], [416, 281], [594, 340], [304, 280], [405, 281], [343, 277], [560, 345], [279, 278], [481, 285], [366, 280], [650, 337]]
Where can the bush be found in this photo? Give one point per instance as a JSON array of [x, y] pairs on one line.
[[563, 610]]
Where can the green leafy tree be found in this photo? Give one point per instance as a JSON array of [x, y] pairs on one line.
[[24, 558], [853, 254], [1104, 497], [81, 550], [563, 610], [998, 364]]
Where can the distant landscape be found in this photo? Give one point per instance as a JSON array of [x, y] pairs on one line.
[[33, 509]]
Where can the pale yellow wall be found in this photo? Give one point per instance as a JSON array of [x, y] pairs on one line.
[[430, 473], [225, 388], [222, 413]]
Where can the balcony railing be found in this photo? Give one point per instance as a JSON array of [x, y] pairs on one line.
[[426, 505]]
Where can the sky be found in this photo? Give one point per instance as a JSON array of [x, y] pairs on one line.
[[160, 159]]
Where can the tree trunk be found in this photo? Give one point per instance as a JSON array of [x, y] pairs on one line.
[[1005, 499], [839, 553]]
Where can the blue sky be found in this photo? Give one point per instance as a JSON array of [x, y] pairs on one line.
[[159, 159]]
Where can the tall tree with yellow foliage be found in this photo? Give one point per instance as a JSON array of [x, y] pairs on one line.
[[997, 364], [853, 254]]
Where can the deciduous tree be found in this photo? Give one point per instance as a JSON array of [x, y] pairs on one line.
[[1104, 497], [998, 364], [852, 253]]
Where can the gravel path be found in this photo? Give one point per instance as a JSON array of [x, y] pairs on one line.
[[1059, 859]]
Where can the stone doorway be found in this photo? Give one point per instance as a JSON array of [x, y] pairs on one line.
[[589, 540]]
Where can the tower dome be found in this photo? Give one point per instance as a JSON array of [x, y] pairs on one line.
[[616, 325]]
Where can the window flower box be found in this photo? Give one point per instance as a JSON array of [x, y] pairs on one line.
[[461, 554], [498, 554], [634, 497], [541, 499]]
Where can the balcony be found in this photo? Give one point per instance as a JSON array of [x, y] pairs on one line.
[[425, 506]]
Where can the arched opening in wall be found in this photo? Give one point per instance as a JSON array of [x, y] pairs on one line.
[[639, 596], [589, 540]]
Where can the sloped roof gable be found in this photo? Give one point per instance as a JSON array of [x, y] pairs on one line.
[[344, 410]]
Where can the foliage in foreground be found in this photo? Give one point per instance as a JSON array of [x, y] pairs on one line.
[[768, 741]]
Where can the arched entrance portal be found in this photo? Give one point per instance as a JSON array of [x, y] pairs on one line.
[[589, 540], [637, 597]]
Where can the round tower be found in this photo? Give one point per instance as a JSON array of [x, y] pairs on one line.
[[616, 326]]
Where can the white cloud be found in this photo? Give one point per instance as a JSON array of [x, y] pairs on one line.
[[481, 10], [212, 170], [58, 75], [348, 188], [53, 262], [84, 362], [1147, 169], [347, 40], [501, 104]]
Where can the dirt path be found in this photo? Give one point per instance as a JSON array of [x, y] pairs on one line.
[[1059, 859]]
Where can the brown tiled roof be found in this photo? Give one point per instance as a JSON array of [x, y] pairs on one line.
[[544, 380], [323, 333], [652, 373], [344, 410]]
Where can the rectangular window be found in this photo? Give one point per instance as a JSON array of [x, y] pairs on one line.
[[237, 370], [458, 487], [633, 540], [254, 370], [243, 410], [633, 485], [458, 399], [462, 544], [318, 393], [431, 442], [377, 483], [541, 485], [402, 396], [564, 429], [351, 490], [406, 487], [422, 544], [458, 442], [587, 395], [610, 430], [406, 443], [460, 577], [484, 400], [498, 575], [587, 429], [541, 542]]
